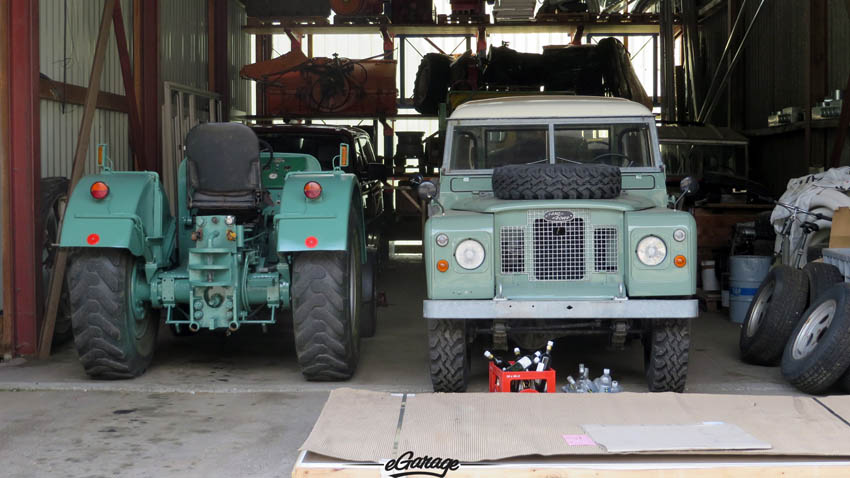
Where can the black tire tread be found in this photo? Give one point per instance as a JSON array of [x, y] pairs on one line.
[[448, 355], [789, 301], [556, 181], [97, 281], [668, 347], [826, 364], [821, 277], [52, 190]]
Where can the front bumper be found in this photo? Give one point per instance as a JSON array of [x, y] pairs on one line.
[[561, 309]]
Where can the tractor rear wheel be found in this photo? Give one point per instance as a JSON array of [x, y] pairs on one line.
[[114, 336], [326, 302], [54, 192]]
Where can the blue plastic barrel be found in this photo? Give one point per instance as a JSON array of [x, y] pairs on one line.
[[745, 276]]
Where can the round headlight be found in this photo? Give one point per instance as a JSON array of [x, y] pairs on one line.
[[442, 240], [679, 235], [651, 251], [469, 254]]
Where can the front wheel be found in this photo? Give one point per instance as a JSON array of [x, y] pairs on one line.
[[447, 350], [114, 334], [666, 346], [326, 303]]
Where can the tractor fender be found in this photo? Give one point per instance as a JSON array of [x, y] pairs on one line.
[[134, 215], [319, 224]]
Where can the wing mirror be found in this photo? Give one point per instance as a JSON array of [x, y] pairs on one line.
[[689, 186], [427, 190]]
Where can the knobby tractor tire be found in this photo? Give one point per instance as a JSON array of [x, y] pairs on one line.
[[665, 349], [775, 310], [432, 83], [556, 181], [818, 353], [369, 314], [326, 307], [821, 277], [111, 341], [449, 356], [53, 192]]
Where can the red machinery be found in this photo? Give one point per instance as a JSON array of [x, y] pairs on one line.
[[412, 12], [467, 7], [357, 7], [299, 86]]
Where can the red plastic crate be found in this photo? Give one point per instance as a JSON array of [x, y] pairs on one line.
[[500, 380]]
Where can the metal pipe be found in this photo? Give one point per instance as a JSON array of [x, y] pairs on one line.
[[732, 65], [708, 94]]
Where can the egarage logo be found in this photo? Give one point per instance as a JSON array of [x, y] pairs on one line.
[[426, 466]]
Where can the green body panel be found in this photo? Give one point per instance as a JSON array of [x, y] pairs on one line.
[[133, 216], [458, 283], [665, 279], [275, 171], [326, 219]]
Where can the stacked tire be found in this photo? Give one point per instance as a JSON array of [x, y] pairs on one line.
[[800, 319]]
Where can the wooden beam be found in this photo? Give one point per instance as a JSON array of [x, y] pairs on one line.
[[76, 95], [136, 142], [90, 106], [6, 327]]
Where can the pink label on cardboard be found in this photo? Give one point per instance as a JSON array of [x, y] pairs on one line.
[[579, 440]]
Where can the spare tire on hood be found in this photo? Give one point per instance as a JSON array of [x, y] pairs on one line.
[[557, 181]]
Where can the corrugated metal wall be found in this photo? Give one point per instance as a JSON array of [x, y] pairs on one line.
[[183, 47], [75, 29], [239, 54]]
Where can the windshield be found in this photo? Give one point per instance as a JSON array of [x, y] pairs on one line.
[[488, 147]]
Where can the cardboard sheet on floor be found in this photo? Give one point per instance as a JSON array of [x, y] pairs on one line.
[[698, 436], [358, 425]]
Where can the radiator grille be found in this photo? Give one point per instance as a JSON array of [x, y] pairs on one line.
[[512, 242], [558, 248], [605, 249]]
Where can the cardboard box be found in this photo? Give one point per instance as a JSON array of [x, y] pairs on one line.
[[840, 234]]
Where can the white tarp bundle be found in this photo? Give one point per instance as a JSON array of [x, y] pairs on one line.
[[821, 193]]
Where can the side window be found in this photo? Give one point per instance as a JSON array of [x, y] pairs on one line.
[[357, 160], [368, 152]]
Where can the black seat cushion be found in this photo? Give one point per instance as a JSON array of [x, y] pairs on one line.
[[223, 167]]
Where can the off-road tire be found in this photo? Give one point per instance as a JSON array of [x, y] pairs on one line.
[[766, 328], [666, 348], [556, 181], [825, 364], [432, 83], [105, 330], [821, 277], [53, 191], [449, 355], [369, 311], [325, 311]]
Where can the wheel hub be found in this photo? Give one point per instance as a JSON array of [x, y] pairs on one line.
[[813, 329], [762, 301]]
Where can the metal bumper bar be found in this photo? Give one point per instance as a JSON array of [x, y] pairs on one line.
[[561, 309]]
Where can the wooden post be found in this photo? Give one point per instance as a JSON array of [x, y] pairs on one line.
[[6, 200], [136, 141], [77, 170]]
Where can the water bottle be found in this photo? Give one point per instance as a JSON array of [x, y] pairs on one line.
[[615, 387], [603, 382]]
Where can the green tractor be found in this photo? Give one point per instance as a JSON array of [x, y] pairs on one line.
[[257, 233]]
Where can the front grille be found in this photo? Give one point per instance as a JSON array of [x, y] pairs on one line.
[[558, 247], [512, 242], [605, 249]]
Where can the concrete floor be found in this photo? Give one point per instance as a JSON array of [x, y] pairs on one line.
[[211, 405]]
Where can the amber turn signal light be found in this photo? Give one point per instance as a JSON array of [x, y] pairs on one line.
[[99, 190], [680, 261], [443, 265]]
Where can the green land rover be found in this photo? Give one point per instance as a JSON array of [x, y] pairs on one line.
[[551, 219]]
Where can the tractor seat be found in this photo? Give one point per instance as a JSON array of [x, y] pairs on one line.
[[223, 169]]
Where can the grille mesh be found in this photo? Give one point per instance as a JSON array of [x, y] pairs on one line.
[[605, 249], [558, 248], [512, 241]]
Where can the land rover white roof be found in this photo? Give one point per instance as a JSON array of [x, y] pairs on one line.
[[551, 106]]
